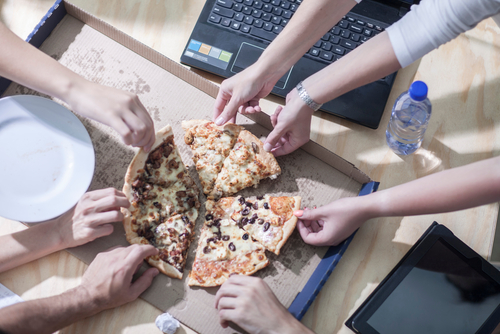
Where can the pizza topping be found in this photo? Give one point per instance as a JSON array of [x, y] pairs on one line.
[[245, 236], [232, 247], [209, 217], [255, 205], [225, 237], [157, 205], [251, 220], [241, 200], [255, 148], [266, 205], [207, 249], [266, 226], [245, 211], [260, 197], [260, 221]]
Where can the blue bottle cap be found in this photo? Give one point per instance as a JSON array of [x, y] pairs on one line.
[[418, 91]]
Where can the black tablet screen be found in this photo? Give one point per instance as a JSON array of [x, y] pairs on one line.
[[442, 294]]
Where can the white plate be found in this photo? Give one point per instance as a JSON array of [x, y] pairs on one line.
[[46, 159]]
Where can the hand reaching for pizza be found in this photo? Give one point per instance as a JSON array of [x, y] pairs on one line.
[[292, 126], [107, 282], [242, 93], [333, 223], [92, 216], [249, 302], [121, 110]]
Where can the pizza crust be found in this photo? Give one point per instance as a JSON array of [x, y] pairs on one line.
[[289, 225]]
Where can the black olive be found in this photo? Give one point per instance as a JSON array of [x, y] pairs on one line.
[[266, 226], [245, 236], [209, 217], [231, 247]]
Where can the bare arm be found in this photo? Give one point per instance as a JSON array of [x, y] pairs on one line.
[[26, 65], [451, 190], [311, 21], [107, 283], [90, 219]]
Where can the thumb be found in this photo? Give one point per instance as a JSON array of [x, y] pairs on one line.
[[274, 137], [314, 214], [143, 282]]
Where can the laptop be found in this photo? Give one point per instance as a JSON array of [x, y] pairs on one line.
[[230, 35]]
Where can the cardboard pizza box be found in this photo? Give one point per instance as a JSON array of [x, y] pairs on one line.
[[172, 93]]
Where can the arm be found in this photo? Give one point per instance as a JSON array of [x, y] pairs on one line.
[[249, 302], [24, 64], [89, 220], [107, 283], [451, 190], [308, 24]]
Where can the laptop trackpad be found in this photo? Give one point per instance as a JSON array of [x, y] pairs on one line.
[[247, 55]]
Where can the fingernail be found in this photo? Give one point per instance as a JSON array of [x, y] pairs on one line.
[[219, 121], [298, 213], [267, 147]]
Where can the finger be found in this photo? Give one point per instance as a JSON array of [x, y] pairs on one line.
[[140, 134], [227, 315], [110, 203], [229, 111], [308, 214], [143, 282], [283, 149], [315, 226], [220, 102], [274, 117], [101, 231], [227, 303], [144, 115], [101, 218], [311, 238], [274, 137], [137, 253], [151, 142], [100, 193]]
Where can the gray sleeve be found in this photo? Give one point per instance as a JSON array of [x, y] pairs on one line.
[[435, 22]]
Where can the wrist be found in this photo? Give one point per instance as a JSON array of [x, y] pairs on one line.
[[82, 302]]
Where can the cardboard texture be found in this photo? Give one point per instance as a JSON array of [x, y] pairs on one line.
[[172, 94]]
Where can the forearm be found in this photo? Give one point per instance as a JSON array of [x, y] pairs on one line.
[[451, 190], [48, 314], [311, 21], [24, 64], [367, 63], [28, 245]]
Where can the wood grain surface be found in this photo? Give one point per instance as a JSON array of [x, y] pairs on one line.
[[464, 84]]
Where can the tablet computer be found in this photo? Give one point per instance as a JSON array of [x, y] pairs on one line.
[[440, 286]]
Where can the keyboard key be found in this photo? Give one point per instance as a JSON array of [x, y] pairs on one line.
[[326, 37], [267, 8], [294, 8], [276, 20], [248, 20], [284, 22], [266, 1], [345, 34], [361, 23], [343, 24], [235, 25], [277, 11], [364, 39], [339, 50], [285, 5], [356, 29], [245, 28], [257, 14], [314, 52], [287, 14], [268, 26], [258, 5], [225, 3], [379, 28], [269, 36], [348, 44], [318, 44], [223, 11], [369, 25], [367, 32], [350, 19], [326, 55], [277, 29], [335, 39], [258, 23], [326, 46], [336, 31], [239, 17], [266, 17], [248, 2], [247, 10], [237, 7], [239, 1], [355, 37], [226, 22], [214, 18], [276, 2]]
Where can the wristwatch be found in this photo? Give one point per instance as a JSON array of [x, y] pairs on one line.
[[306, 98]]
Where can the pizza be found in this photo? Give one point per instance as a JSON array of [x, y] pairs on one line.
[[228, 158], [164, 204], [236, 234], [210, 145]]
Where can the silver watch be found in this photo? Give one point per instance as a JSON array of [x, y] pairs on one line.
[[306, 98]]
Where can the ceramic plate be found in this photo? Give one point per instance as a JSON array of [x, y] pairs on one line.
[[46, 158]]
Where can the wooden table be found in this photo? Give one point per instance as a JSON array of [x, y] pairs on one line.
[[464, 84]]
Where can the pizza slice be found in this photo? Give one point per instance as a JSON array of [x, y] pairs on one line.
[[164, 204], [210, 145], [246, 164]]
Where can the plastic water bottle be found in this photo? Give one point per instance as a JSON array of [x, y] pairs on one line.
[[409, 119]]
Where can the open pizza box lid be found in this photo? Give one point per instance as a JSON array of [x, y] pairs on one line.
[[172, 93]]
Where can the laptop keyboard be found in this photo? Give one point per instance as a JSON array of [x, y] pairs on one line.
[[265, 19]]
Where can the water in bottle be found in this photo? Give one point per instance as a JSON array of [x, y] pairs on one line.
[[409, 120]]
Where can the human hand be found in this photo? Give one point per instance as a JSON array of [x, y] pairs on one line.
[[292, 126], [121, 110], [333, 223], [107, 283], [91, 217], [249, 302], [242, 93]]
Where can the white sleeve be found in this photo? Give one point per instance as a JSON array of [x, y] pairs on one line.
[[435, 22]]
